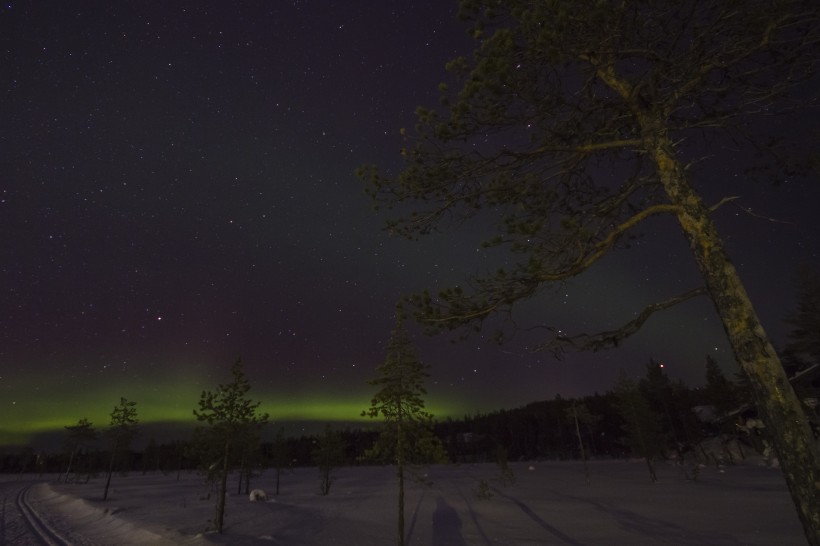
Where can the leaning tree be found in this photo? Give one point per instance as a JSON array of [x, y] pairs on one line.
[[576, 122]]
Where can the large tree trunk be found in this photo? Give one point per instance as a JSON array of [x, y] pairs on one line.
[[775, 399]]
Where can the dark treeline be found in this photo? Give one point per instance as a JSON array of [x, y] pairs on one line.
[[681, 418], [174, 456], [537, 430], [714, 422], [708, 424]]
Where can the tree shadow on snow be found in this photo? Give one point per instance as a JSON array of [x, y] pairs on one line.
[[413, 519], [664, 531], [474, 517], [539, 520], [446, 525]]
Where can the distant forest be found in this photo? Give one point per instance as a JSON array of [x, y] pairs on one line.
[[653, 418], [675, 421]]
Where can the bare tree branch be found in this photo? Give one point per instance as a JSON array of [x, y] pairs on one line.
[[748, 211], [722, 202], [612, 338]]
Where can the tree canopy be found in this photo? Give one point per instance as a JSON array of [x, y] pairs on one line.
[[576, 122], [558, 127], [406, 433]]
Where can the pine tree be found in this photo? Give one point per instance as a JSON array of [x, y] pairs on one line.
[[121, 431], [328, 456], [233, 424], [78, 436], [573, 124], [406, 435]]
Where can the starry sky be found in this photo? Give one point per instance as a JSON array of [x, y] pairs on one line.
[[178, 190]]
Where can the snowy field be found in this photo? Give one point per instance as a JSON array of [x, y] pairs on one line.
[[549, 503]]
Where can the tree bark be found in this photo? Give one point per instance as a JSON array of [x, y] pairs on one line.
[[775, 399]]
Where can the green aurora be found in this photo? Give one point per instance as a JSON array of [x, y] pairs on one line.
[[54, 405]]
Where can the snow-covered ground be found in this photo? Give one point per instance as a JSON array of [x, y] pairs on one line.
[[549, 503]]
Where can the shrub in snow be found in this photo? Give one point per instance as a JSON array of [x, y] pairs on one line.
[[257, 495], [484, 492]]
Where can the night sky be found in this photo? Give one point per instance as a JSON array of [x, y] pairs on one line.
[[178, 190]]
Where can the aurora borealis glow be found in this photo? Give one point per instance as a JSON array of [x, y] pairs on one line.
[[179, 191], [54, 403]]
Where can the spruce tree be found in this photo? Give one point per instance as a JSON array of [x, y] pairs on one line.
[[719, 392], [804, 338], [641, 423], [802, 350], [672, 402]]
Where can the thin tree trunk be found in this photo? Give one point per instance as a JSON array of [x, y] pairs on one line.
[[641, 440], [223, 486], [108, 479], [179, 464], [70, 462], [241, 475], [401, 504], [774, 397], [580, 442], [400, 470]]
